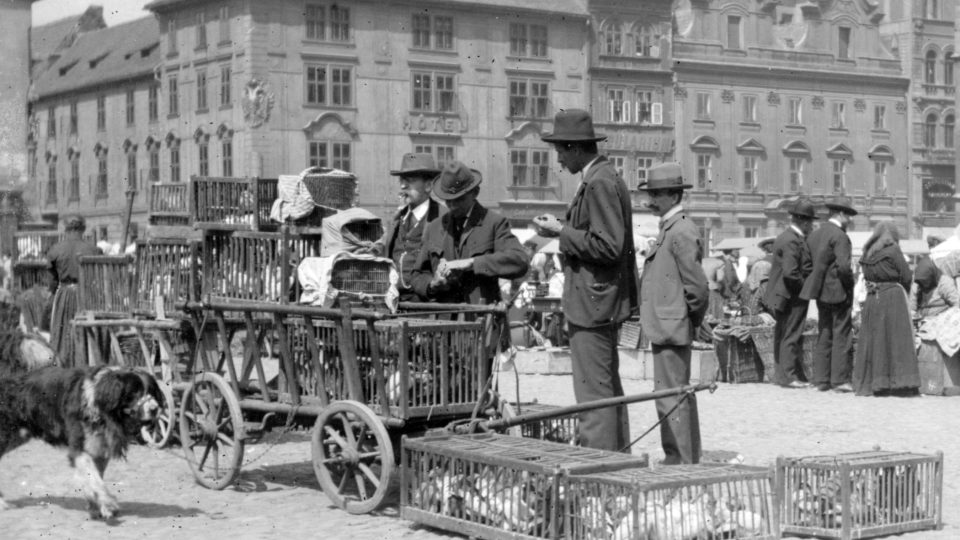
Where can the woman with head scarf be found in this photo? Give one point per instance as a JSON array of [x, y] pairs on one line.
[[885, 362], [933, 291]]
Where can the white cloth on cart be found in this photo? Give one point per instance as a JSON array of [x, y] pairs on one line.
[[315, 275], [942, 328], [293, 198]]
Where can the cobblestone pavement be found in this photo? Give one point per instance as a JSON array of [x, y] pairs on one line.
[[278, 493]]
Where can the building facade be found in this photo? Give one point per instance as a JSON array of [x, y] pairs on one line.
[[95, 141], [921, 32], [781, 98]]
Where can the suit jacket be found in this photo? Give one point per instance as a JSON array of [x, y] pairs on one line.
[[831, 280], [388, 242], [790, 267], [600, 281], [673, 287], [487, 238]]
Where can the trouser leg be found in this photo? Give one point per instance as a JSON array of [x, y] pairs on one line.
[[680, 432], [596, 375], [791, 344], [841, 357], [823, 354]]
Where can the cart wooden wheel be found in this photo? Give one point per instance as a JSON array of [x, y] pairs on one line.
[[352, 456], [212, 431], [158, 433]]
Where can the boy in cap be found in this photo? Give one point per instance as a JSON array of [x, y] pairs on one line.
[[600, 275]]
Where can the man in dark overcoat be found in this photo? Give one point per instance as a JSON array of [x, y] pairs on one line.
[[831, 283], [790, 267], [467, 250], [600, 275], [403, 236], [673, 302]]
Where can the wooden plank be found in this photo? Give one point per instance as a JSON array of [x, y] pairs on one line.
[[286, 358]]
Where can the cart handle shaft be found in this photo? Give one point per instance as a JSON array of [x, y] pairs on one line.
[[597, 404]]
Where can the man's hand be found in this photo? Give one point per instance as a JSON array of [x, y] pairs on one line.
[[547, 225], [438, 283], [459, 265]]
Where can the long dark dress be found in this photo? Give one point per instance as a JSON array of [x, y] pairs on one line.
[[64, 259], [886, 362]]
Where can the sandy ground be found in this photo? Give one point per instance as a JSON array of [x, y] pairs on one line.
[[278, 494]]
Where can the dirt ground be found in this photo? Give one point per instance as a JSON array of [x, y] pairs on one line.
[[278, 494]]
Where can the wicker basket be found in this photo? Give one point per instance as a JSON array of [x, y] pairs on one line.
[[495, 486], [762, 337], [738, 360], [809, 345], [332, 188], [681, 501], [860, 494]]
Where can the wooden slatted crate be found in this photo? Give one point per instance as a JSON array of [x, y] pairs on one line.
[[238, 204], [495, 486], [860, 494], [672, 503], [105, 285], [167, 274]]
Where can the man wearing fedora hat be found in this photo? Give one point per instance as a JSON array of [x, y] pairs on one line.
[[790, 267], [467, 250], [403, 236], [600, 275], [831, 283], [673, 302]]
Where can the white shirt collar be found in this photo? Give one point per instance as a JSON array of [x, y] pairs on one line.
[[420, 210], [797, 230], [672, 212], [836, 222], [586, 168]]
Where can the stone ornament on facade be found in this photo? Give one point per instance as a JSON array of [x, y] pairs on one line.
[[817, 102], [860, 105], [679, 92], [773, 98], [727, 96], [257, 102], [901, 107]]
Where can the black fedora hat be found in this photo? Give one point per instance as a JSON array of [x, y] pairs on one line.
[[803, 208], [842, 204], [664, 176], [456, 179], [572, 125], [412, 164]]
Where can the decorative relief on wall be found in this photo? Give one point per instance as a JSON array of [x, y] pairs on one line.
[[901, 107], [727, 96], [257, 102], [817, 102], [860, 105], [773, 98], [679, 92]]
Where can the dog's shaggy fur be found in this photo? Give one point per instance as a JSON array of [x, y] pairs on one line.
[[93, 412]]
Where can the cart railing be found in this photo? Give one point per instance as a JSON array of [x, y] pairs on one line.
[[26, 274], [166, 275], [33, 245], [105, 285]]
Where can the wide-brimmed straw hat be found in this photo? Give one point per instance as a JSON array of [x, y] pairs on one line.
[[841, 203], [572, 125], [664, 176], [803, 208], [417, 164], [456, 179]]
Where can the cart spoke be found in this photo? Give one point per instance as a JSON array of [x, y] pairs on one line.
[[206, 453], [361, 485], [190, 416], [225, 439], [201, 401], [348, 430], [336, 437], [369, 474], [369, 455], [343, 482], [216, 460]]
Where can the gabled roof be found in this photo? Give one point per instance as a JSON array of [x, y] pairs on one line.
[[46, 39], [751, 145], [112, 54]]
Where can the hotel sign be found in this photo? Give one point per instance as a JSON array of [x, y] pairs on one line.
[[434, 125]]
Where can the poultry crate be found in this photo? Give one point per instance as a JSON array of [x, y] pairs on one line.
[[860, 494], [232, 203], [332, 188], [564, 429], [676, 502], [495, 486], [166, 275]]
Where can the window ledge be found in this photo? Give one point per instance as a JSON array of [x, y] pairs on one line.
[[173, 115], [173, 54], [750, 124], [307, 105], [535, 59], [426, 50], [325, 42], [529, 118], [200, 48], [839, 131], [704, 121], [795, 126], [203, 110], [226, 106], [225, 43]]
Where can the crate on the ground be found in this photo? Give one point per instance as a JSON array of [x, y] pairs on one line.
[[232, 203], [26, 274], [564, 429], [427, 368], [860, 494], [254, 266], [495, 486], [763, 342], [672, 503]]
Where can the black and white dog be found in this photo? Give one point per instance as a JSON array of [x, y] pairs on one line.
[[93, 412]]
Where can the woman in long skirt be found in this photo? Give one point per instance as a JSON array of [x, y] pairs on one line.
[[64, 260], [885, 362]]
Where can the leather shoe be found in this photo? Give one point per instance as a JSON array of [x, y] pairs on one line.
[[823, 387], [797, 384], [843, 388]]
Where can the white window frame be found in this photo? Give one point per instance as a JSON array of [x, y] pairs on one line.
[[839, 166], [795, 167], [433, 92], [880, 117], [444, 153], [749, 102], [751, 172], [329, 90], [704, 100], [838, 115], [530, 168], [795, 111], [333, 154], [880, 170], [704, 170]]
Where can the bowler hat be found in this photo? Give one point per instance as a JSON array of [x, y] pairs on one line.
[[417, 164], [842, 204], [572, 125], [456, 179], [664, 176], [803, 208], [768, 241], [75, 223]]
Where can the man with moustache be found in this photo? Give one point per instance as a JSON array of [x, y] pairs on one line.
[[600, 275], [403, 237], [790, 267], [831, 283], [673, 302]]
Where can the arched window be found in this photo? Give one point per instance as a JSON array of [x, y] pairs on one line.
[[611, 39], [948, 126], [930, 131], [647, 41], [948, 68], [930, 68]]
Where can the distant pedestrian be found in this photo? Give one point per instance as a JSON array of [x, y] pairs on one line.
[[831, 283], [673, 303], [790, 267], [64, 260], [886, 361]]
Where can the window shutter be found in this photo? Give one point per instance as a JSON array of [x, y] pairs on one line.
[[625, 116], [636, 112], [610, 114], [656, 114]]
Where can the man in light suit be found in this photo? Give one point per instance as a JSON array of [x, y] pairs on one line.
[[600, 275], [673, 301], [831, 285], [790, 267]]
